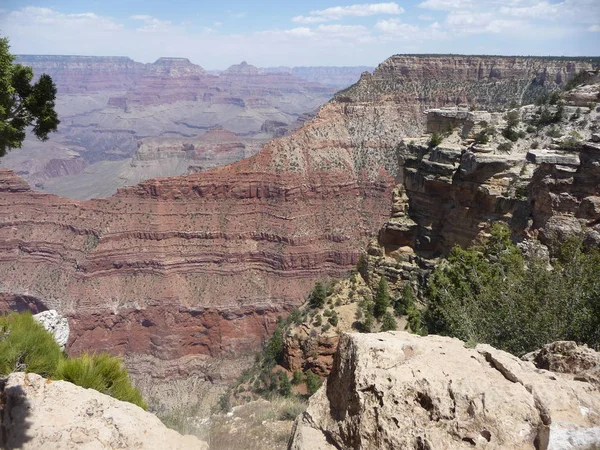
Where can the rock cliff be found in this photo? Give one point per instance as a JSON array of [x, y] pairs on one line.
[[397, 390], [36, 413], [179, 273]]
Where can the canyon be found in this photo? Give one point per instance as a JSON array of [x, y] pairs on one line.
[[186, 276], [111, 109]]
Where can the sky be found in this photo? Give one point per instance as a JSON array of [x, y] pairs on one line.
[[216, 34]]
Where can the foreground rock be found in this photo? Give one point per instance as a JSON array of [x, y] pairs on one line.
[[397, 390], [38, 413]]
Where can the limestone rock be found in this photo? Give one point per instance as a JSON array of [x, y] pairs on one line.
[[42, 414], [396, 390], [56, 324], [567, 357]]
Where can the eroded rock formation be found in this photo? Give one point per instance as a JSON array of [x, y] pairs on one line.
[[397, 390], [184, 272]]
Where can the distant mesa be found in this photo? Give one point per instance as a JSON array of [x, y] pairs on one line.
[[242, 69], [171, 61]]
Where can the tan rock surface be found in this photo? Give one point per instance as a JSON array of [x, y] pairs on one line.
[[396, 390], [43, 414]]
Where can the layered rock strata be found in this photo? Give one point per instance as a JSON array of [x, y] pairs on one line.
[[397, 390], [185, 270]]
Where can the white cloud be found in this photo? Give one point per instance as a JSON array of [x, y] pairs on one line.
[[300, 32], [426, 18], [309, 20], [338, 12], [446, 5], [151, 24], [541, 10], [218, 24], [394, 26], [594, 28]]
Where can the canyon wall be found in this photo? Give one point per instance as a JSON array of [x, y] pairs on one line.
[[184, 272], [107, 105]]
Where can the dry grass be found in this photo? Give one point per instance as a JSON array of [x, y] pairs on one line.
[[256, 425]]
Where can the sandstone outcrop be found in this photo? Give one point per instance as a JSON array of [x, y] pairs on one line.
[[397, 390], [37, 414]]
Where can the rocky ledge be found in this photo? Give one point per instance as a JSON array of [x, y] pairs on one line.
[[398, 390], [36, 413]]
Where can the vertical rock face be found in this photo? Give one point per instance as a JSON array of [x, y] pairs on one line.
[[199, 266], [397, 390]]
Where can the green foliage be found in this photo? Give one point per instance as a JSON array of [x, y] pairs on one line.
[[406, 301], [382, 298], [103, 373], [436, 139], [482, 137], [362, 264], [318, 321], [505, 147], [534, 145], [512, 119], [22, 104], [274, 350], [285, 387], [25, 346], [317, 296], [574, 140], [333, 320], [313, 382], [388, 323], [491, 294], [297, 377]]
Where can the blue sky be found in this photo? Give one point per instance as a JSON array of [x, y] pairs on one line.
[[270, 33]]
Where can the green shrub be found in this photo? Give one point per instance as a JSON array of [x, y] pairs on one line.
[[313, 382], [482, 138], [435, 140], [382, 298], [317, 296], [103, 373], [297, 377], [318, 321], [534, 145], [492, 294], [388, 323], [285, 387], [333, 320], [274, 350], [25, 346], [531, 129], [505, 147]]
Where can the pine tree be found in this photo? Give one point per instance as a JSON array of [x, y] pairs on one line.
[[382, 298], [23, 104]]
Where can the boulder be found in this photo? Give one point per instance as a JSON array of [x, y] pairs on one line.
[[43, 414], [397, 390], [56, 324]]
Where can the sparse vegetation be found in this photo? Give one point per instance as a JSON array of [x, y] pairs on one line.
[[435, 140]]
